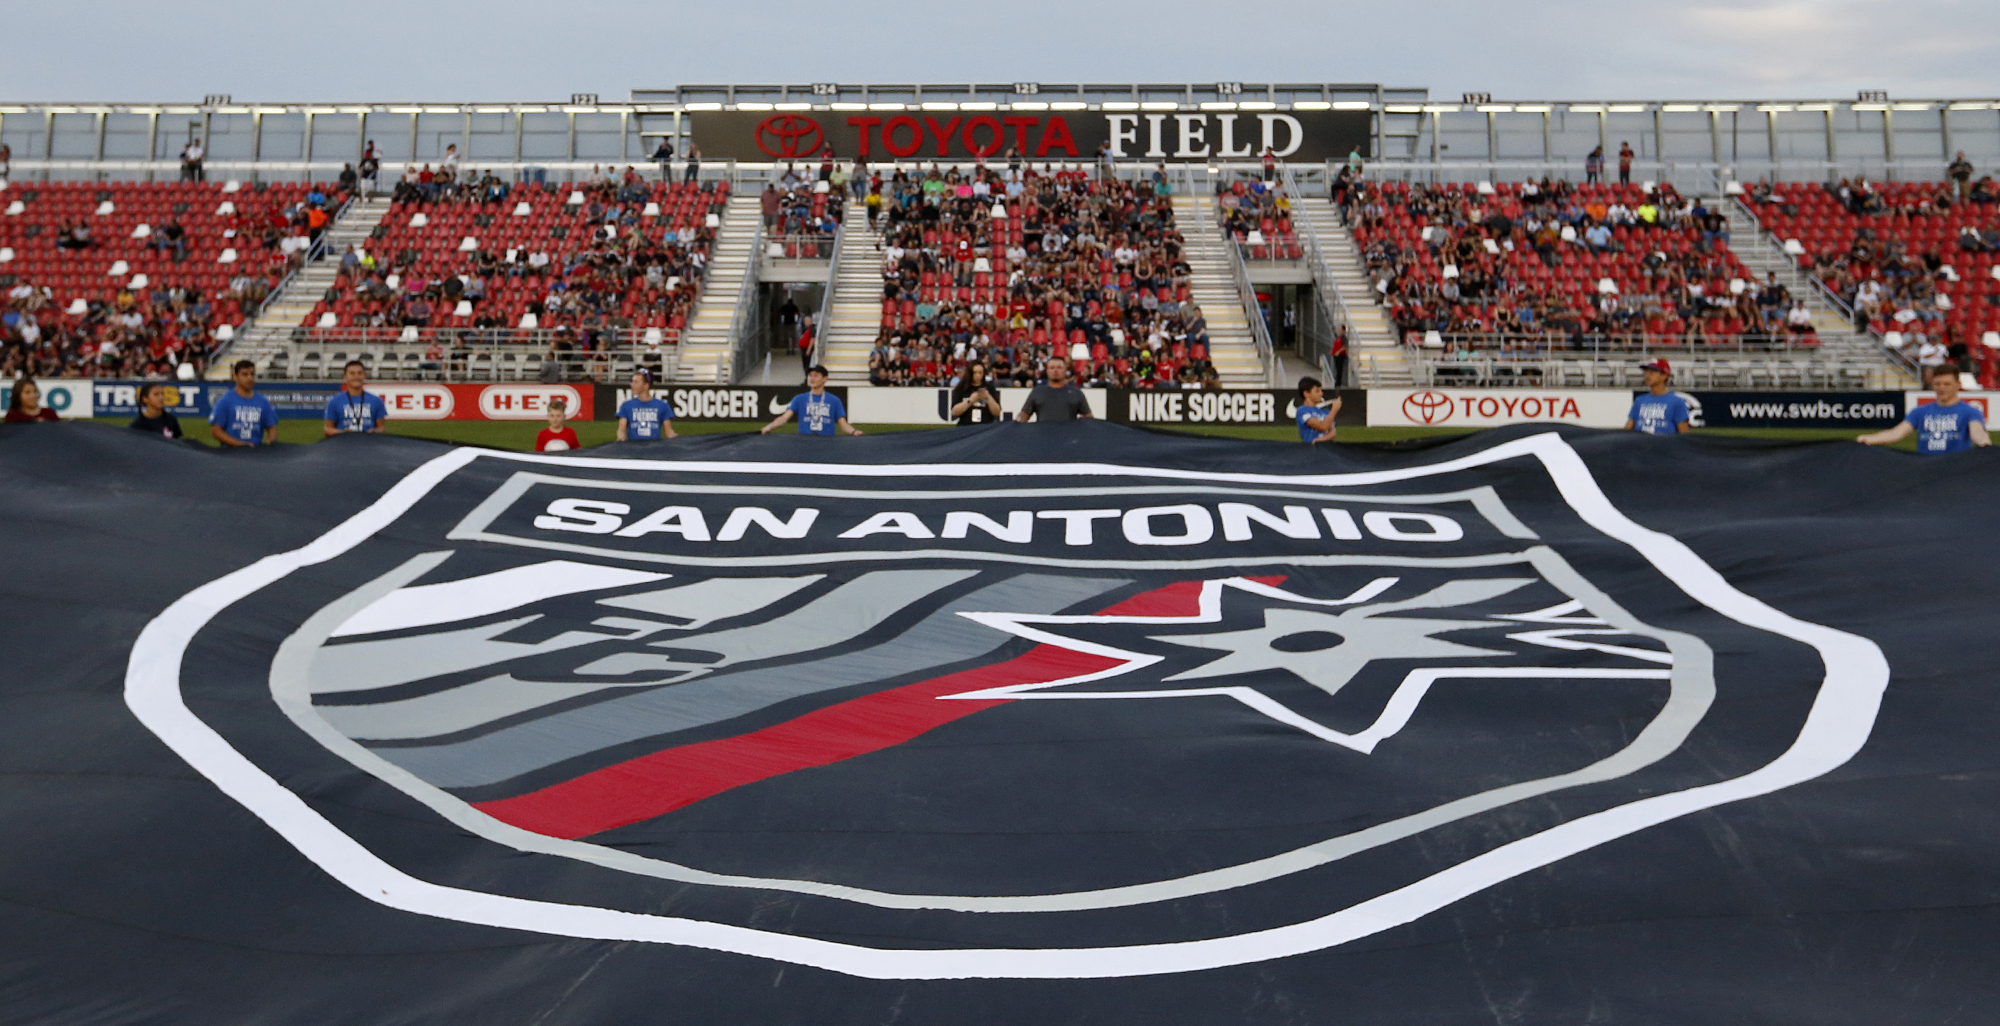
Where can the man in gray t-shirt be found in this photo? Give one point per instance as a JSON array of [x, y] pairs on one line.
[[1055, 399]]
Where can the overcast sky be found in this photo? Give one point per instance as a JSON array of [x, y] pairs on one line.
[[504, 50]]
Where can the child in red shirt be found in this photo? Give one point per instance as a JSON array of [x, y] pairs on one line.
[[557, 437]]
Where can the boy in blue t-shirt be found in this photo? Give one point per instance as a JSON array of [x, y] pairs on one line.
[[818, 412], [1658, 412], [241, 417], [1315, 416], [1941, 427], [352, 409], [643, 418]]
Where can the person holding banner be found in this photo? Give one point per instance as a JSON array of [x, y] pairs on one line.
[[352, 410], [1658, 412], [818, 412], [1944, 426], [26, 405], [643, 418], [241, 417], [558, 436], [153, 417], [1315, 416]]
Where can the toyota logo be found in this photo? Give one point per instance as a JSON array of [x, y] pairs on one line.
[[789, 135], [1427, 407]]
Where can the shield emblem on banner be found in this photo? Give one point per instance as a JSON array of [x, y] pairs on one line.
[[1014, 720]]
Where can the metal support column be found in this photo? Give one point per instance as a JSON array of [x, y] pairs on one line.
[[1889, 145], [152, 140]]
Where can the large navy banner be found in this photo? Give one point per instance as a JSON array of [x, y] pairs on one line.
[[1047, 723]]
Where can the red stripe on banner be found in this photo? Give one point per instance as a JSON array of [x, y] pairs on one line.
[[656, 784]]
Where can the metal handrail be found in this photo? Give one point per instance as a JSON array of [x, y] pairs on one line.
[[1246, 292], [746, 294], [313, 254], [826, 294], [1332, 304]]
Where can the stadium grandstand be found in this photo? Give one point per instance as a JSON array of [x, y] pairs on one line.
[[1217, 233]]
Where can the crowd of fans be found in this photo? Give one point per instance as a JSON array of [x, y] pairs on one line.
[[205, 258], [1258, 215], [1008, 267], [1549, 264], [802, 212], [585, 262], [1912, 260]]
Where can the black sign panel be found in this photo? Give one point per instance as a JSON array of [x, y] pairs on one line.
[[1794, 409], [714, 402], [882, 136], [1225, 407]]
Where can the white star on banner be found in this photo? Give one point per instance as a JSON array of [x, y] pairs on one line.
[[1323, 649]]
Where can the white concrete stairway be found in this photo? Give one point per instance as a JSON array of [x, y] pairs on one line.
[[854, 310], [705, 345], [1373, 349], [1232, 347], [264, 336], [1838, 339]]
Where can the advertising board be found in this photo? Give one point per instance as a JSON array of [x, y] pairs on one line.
[[1860, 410], [1466, 407], [1308, 136]]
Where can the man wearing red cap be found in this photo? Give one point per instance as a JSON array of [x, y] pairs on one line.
[[1658, 412]]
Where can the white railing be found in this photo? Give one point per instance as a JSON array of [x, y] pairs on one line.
[[469, 355]]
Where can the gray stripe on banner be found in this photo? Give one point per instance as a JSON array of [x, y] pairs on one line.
[[940, 638]]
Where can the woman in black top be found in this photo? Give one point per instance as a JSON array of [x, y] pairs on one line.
[[153, 417], [975, 400]]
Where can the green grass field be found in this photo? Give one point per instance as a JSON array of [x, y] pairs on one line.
[[521, 434]]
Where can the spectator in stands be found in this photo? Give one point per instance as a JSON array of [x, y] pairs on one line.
[[25, 405], [558, 436], [191, 158], [1658, 412], [663, 156], [153, 417], [352, 410], [1624, 163], [1960, 172], [1056, 398], [1945, 426], [693, 165], [6, 161], [1593, 166], [240, 417], [1315, 415], [643, 418]]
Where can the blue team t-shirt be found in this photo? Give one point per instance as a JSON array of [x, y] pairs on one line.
[[244, 419], [643, 418], [817, 413], [1306, 431], [1942, 429], [1658, 414], [346, 413]]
